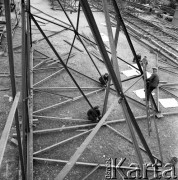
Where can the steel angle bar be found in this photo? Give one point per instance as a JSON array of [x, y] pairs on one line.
[[52, 22], [118, 15], [7, 128], [61, 61], [49, 68], [24, 60], [133, 84], [66, 15], [87, 164], [44, 131], [39, 64], [72, 44], [64, 162], [60, 143], [157, 134], [78, 16], [61, 118], [113, 45], [30, 134], [48, 77], [131, 99], [89, 125], [127, 139], [34, 41], [83, 74], [91, 172], [67, 101], [90, 56], [157, 89], [83, 146], [43, 91], [66, 88], [130, 122], [41, 54], [134, 77], [50, 16]]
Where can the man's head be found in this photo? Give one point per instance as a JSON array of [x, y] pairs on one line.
[[155, 70], [96, 107]]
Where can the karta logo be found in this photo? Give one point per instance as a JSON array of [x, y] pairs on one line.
[[134, 171]]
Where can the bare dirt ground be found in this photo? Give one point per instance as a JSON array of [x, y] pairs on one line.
[[106, 144]]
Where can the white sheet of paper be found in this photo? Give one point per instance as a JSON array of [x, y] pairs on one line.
[[130, 73], [104, 37], [141, 93], [168, 103]]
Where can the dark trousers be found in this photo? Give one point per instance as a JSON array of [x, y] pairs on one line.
[[149, 90]]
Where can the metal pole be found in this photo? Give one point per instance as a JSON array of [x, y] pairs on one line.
[[23, 89], [157, 89], [78, 16], [116, 40], [12, 77]]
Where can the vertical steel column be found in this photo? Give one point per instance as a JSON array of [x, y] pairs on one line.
[[116, 63], [125, 105], [12, 77], [23, 88], [28, 52], [117, 71]]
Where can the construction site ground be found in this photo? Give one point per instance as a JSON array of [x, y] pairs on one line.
[[106, 144]]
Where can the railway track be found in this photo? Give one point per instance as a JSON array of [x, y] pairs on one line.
[[159, 38]]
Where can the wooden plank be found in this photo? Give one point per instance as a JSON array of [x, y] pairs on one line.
[[6, 131], [80, 150]]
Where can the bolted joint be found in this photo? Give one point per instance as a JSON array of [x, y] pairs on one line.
[[76, 32]]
